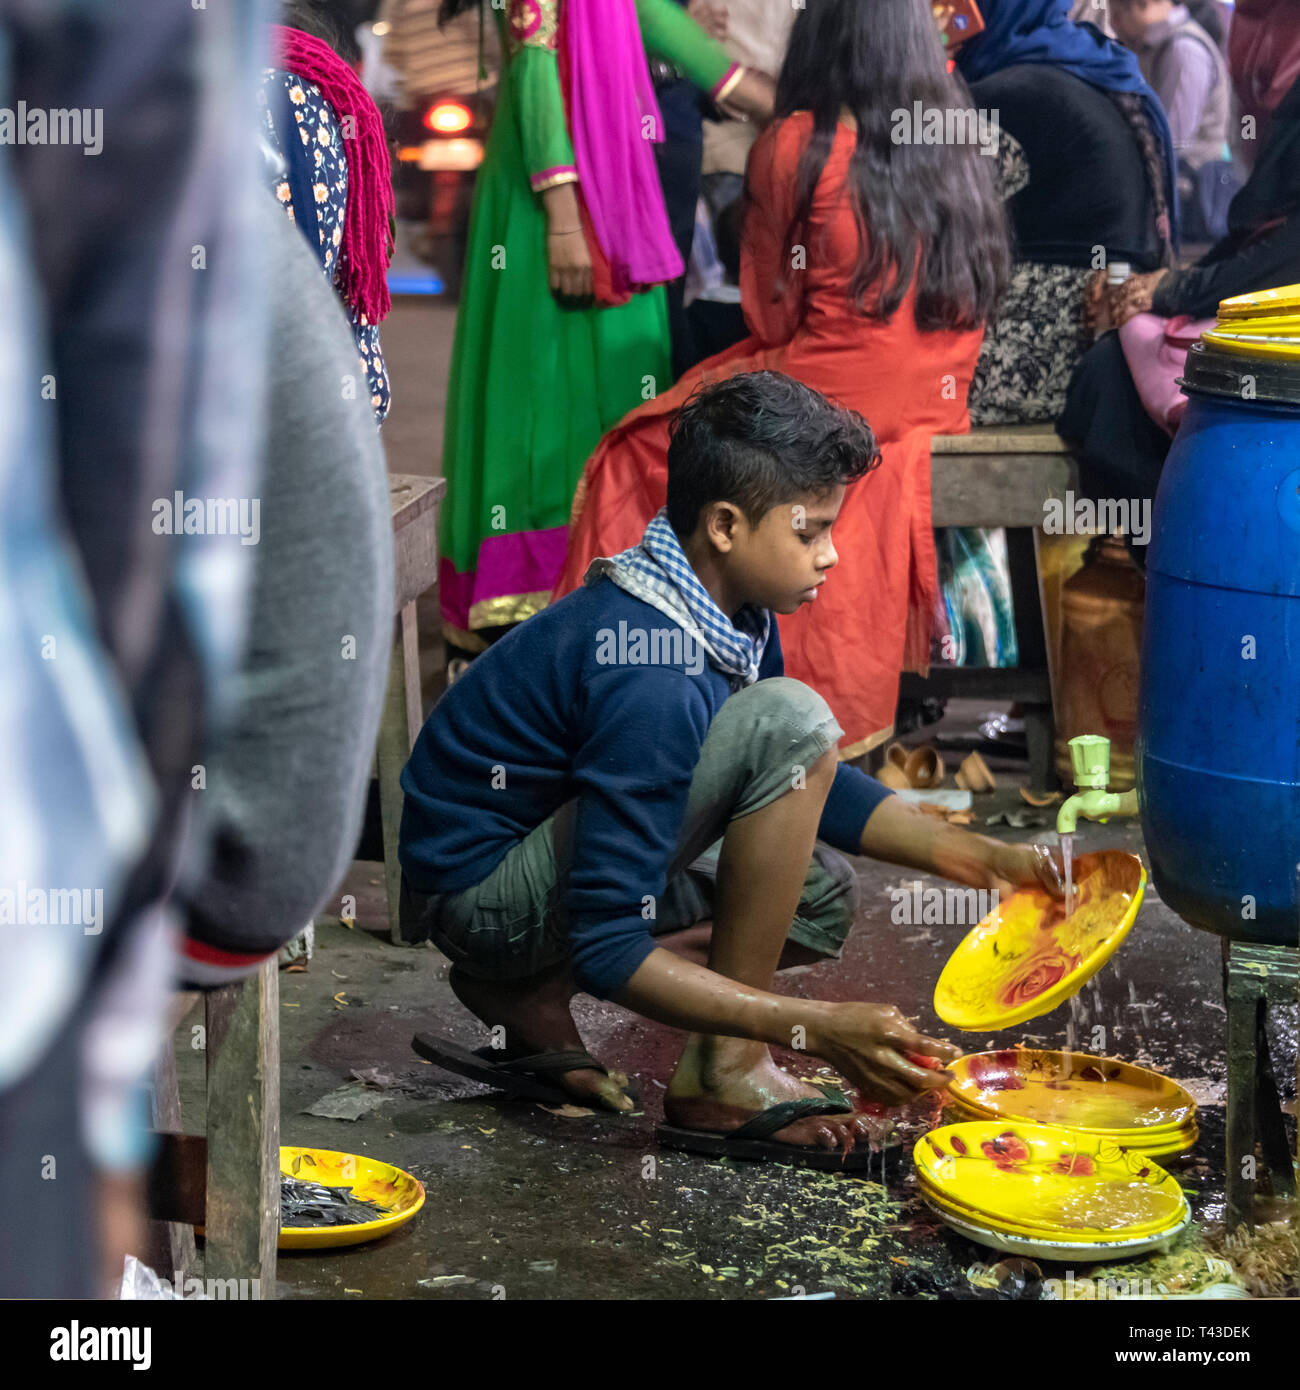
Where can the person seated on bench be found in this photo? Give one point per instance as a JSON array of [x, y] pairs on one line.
[[873, 290], [1092, 174], [1122, 447], [562, 787]]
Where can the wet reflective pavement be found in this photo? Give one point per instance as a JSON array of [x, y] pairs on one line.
[[522, 1203]]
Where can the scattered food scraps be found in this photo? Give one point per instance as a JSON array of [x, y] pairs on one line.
[[566, 1112]]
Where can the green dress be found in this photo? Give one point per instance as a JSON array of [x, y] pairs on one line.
[[534, 386]]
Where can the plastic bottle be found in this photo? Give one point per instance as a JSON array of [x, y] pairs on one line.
[[1101, 638]]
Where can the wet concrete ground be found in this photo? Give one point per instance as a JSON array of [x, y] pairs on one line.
[[526, 1204]]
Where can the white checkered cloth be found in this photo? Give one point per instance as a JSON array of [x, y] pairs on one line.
[[658, 572]]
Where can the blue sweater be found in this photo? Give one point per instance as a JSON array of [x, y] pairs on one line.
[[538, 720]]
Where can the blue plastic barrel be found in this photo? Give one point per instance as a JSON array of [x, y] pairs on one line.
[[1218, 745]]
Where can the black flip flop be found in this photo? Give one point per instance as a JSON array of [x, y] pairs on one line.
[[753, 1139], [519, 1078]]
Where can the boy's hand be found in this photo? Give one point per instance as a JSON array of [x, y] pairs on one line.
[[900, 834], [868, 1043], [1023, 866]]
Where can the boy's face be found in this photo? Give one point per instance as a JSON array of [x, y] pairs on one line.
[[1132, 18], [783, 561]]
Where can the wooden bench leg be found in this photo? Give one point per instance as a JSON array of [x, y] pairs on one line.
[[403, 715], [1244, 1008], [1268, 1116], [1031, 640], [177, 1245], [243, 1197]]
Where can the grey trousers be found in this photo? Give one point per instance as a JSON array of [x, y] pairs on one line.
[[512, 924]]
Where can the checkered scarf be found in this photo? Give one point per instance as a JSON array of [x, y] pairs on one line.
[[658, 572]]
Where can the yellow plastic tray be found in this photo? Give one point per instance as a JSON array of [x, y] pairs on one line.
[[1283, 301], [369, 1180], [1049, 1180], [1096, 1095], [1025, 958]]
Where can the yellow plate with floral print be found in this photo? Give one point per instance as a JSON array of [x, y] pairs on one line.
[[1048, 1180], [1166, 1145], [372, 1181], [1026, 956], [1076, 1090]]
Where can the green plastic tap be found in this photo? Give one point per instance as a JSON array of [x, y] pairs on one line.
[[1090, 759]]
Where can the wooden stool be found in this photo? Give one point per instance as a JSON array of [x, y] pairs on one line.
[[1003, 476], [228, 1182], [415, 542], [1255, 976]]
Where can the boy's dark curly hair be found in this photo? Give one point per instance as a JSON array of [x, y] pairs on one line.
[[758, 440]]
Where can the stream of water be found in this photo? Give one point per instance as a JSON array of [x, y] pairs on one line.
[[1067, 864]]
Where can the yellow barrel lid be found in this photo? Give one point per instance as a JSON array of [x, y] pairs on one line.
[[1261, 304], [1277, 348]]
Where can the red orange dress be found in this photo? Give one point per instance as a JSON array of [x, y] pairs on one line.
[[874, 617]]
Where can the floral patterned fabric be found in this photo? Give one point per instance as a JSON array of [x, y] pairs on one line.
[[535, 23], [318, 128], [1035, 340]]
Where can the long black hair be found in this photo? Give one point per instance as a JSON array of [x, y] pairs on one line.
[[925, 211], [449, 9]]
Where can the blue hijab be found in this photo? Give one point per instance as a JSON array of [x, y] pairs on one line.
[[1041, 31]]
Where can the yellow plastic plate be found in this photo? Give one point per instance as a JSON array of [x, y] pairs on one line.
[[1244, 343], [1097, 1095], [1166, 1145], [938, 1199], [369, 1180], [1282, 301], [945, 1207], [1025, 957], [1050, 1180], [1040, 1248]]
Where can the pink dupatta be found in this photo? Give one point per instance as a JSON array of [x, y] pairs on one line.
[[613, 121]]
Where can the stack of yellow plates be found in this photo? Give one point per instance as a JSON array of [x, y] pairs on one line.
[[1265, 324], [1047, 1192], [1135, 1108]]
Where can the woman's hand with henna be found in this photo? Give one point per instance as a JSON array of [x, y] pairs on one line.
[[1134, 297]]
